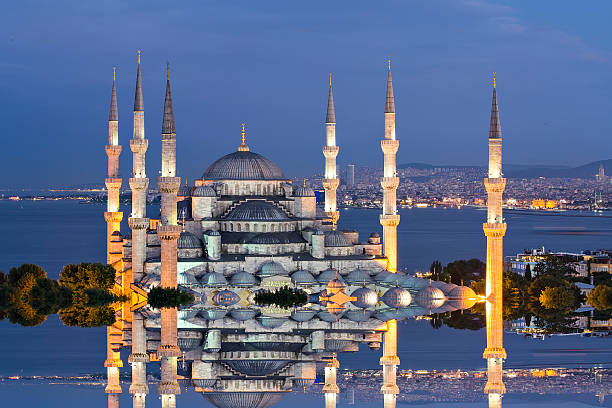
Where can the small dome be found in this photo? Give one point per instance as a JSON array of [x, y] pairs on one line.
[[337, 346], [270, 322], [257, 210], [358, 277], [430, 298], [303, 192], [243, 165], [328, 275], [243, 314], [271, 268], [204, 382], [189, 343], [374, 235], [366, 298], [397, 297], [412, 282], [213, 314], [225, 298], [462, 292], [326, 316], [184, 190], [358, 315], [204, 191], [386, 278], [243, 279], [187, 240], [309, 229], [389, 314], [336, 239], [303, 278], [443, 286], [302, 315], [303, 382], [212, 233], [213, 279], [335, 285]]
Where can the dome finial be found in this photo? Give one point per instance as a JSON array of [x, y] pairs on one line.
[[138, 57], [389, 63], [114, 73], [494, 80], [304, 183], [243, 147]]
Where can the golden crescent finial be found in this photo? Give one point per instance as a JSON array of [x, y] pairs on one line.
[[389, 63], [167, 70], [304, 183], [494, 80], [330, 79], [243, 134], [138, 57], [114, 69]]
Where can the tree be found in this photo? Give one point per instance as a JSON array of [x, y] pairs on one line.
[[558, 266], [436, 270], [284, 297], [559, 298], [465, 271], [528, 273], [160, 298], [601, 297], [87, 276]]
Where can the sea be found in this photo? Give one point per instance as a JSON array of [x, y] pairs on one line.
[[55, 233]]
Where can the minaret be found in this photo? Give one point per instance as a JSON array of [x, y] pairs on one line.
[[330, 151], [330, 389], [389, 220], [112, 215], [168, 233], [389, 182], [139, 224], [113, 219], [494, 229]]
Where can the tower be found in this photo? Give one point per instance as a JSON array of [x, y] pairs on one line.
[[113, 219], [330, 389], [389, 182], [330, 151], [168, 233], [139, 224], [494, 229], [389, 220]]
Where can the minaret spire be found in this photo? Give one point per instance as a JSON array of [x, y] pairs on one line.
[[113, 114], [168, 122], [494, 230], [138, 103], [389, 100], [330, 151]]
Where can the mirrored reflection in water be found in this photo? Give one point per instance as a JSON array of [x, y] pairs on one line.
[[237, 354]]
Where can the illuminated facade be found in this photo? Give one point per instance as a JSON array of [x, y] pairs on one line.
[[330, 151], [494, 229], [241, 228]]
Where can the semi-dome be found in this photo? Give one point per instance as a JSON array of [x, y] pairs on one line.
[[336, 239], [397, 297], [204, 191], [213, 314], [243, 279], [302, 315], [337, 346], [412, 282], [243, 165], [303, 382], [243, 399], [462, 292], [303, 191], [358, 315], [329, 317], [190, 341], [187, 240], [184, 190], [267, 238], [358, 277], [303, 278], [257, 210], [270, 322], [271, 268], [257, 368], [386, 278], [366, 298]]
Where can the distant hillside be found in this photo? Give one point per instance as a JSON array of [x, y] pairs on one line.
[[533, 171]]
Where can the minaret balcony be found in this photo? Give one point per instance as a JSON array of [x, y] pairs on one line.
[[168, 185], [495, 185], [139, 183], [113, 150], [330, 152], [169, 233], [389, 146], [495, 230], [139, 145], [138, 223], [389, 183], [330, 184], [113, 183], [113, 217], [389, 220]]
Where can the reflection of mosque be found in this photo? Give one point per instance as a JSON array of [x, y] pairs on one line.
[[246, 228]]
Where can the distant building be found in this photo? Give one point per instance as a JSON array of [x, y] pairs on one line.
[[583, 263], [350, 175], [601, 174]]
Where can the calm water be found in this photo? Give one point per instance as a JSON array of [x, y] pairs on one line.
[[55, 233]]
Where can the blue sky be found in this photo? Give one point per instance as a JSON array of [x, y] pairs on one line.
[[267, 63]]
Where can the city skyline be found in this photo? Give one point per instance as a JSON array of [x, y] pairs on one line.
[[223, 71]]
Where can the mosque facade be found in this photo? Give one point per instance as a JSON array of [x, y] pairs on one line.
[[243, 227]]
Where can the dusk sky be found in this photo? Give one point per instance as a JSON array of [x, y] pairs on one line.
[[267, 63]]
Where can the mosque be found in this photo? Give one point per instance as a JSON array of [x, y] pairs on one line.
[[243, 227]]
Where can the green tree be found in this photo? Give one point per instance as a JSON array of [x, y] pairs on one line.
[[559, 298], [601, 297], [465, 271], [284, 297], [557, 266], [528, 273], [436, 270], [160, 298], [87, 276]]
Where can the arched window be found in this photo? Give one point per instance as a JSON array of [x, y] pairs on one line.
[[246, 227], [263, 228], [238, 227]]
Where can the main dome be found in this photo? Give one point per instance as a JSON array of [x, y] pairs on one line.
[[243, 165]]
